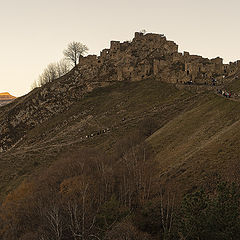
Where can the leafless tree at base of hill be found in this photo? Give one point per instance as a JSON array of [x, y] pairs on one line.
[[74, 51]]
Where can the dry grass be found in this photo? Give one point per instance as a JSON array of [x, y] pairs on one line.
[[120, 107], [197, 136], [199, 143]]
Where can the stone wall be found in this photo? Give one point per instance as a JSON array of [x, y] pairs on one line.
[[152, 55]]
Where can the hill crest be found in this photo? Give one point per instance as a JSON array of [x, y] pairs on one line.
[[147, 56]]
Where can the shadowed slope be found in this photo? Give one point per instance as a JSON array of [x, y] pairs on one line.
[[199, 143], [193, 128], [118, 108]]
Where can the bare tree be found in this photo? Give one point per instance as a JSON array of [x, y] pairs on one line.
[[34, 85], [167, 212], [143, 31], [52, 72], [54, 221], [74, 51], [62, 67], [49, 74], [78, 201]]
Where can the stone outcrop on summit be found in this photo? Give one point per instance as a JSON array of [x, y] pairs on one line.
[[146, 56]]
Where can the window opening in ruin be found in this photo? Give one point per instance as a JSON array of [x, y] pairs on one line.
[[187, 72]]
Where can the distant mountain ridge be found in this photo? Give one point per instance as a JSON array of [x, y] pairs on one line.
[[6, 98]]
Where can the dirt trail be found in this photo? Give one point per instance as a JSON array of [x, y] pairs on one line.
[[203, 88], [54, 143]]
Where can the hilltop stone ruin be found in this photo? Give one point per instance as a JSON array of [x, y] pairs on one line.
[[152, 55]]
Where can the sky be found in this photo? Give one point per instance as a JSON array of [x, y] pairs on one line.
[[34, 33]]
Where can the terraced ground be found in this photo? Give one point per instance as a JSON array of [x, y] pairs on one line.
[[197, 134]]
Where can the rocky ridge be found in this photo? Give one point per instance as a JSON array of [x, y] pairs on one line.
[[6, 98]]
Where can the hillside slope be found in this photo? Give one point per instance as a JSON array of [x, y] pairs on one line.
[[114, 110], [104, 98], [22, 115], [200, 144], [197, 136]]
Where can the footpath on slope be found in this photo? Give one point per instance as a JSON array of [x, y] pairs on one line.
[[216, 89], [51, 143], [196, 88]]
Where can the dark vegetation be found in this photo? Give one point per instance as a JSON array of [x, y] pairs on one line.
[[129, 183], [90, 194]]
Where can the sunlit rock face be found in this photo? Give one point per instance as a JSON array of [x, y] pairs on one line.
[[6, 98]]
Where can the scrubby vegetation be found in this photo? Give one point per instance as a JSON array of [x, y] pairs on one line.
[[112, 187], [90, 194]]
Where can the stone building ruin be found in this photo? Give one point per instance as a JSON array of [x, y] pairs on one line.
[[149, 55]]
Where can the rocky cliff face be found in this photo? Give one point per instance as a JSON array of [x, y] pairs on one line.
[[6, 98]]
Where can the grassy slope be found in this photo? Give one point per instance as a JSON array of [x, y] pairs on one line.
[[103, 108], [199, 143], [197, 136]]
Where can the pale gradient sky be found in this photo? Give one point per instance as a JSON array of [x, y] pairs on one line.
[[35, 32]]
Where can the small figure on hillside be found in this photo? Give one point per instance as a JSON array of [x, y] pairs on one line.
[[214, 81]]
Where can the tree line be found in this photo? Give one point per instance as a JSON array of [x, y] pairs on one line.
[[55, 70]]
